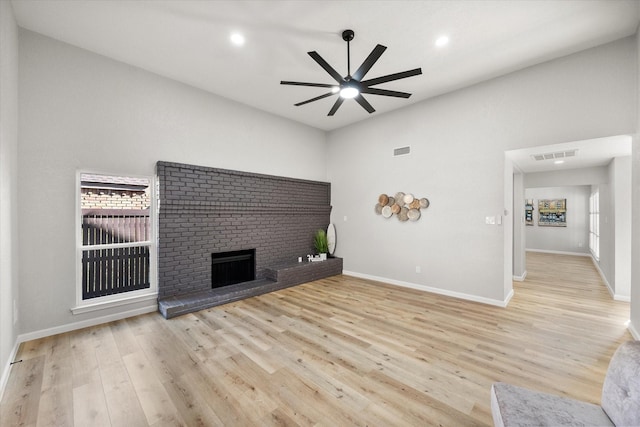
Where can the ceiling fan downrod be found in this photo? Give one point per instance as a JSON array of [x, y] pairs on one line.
[[348, 35]]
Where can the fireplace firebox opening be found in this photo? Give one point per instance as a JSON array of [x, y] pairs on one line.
[[228, 268]]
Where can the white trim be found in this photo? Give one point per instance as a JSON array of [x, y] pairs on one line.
[[7, 369], [594, 223], [117, 245], [111, 300], [634, 331], [508, 298], [430, 289], [103, 305], [606, 282], [544, 251], [520, 278], [72, 327], [602, 276], [85, 323], [614, 296]]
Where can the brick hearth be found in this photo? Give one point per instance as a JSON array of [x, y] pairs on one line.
[[279, 277]]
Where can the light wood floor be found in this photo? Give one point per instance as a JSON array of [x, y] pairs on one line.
[[335, 352]]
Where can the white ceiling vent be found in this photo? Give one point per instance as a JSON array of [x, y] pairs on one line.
[[402, 151], [556, 155]]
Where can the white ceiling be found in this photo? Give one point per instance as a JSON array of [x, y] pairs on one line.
[[589, 153], [189, 41]]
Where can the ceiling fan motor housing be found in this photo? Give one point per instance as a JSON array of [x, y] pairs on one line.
[[348, 35]]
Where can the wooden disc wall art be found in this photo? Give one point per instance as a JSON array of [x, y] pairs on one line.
[[404, 206]]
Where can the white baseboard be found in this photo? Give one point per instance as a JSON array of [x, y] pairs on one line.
[[616, 297], [439, 291], [508, 298], [120, 302], [623, 298], [520, 278], [634, 331], [85, 323], [544, 251], [7, 369], [602, 276], [66, 328]]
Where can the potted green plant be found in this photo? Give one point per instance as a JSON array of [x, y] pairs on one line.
[[321, 244]]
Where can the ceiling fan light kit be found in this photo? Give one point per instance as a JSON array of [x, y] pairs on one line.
[[352, 86], [349, 92]]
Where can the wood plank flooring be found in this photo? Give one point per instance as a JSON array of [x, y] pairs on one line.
[[335, 352]]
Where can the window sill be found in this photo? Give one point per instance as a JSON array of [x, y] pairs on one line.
[[103, 305]]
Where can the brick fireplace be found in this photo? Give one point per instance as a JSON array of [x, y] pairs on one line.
[[204, 211]]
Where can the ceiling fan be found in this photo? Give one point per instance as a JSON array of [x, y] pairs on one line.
[[352, 86]]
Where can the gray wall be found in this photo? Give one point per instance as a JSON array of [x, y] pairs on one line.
[[82, 110], [620, 172], [8, 187], [635, 197], [615, 227], [577, 183], [458, 142], [574, 238], [519, 240], [584, 176], [614, 184]]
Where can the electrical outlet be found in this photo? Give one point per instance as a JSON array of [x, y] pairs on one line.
[[345, 218], [418, 269]]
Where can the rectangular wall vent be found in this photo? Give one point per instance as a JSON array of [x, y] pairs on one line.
[[556, 155], [402, 151]]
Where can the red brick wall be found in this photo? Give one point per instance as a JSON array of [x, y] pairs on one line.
[[97, 198]]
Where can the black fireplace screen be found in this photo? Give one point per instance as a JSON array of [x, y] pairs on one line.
[[228, 268]]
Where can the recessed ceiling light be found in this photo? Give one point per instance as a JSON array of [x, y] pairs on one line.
[[442, 41], [237, 39], [558, 162]]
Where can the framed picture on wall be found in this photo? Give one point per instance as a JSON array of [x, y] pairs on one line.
[[552, 213], [528, 211]]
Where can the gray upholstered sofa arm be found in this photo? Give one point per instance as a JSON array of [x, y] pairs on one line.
[[516, 406], [621, 389]]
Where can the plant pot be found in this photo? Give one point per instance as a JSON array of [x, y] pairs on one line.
[[323, 257]]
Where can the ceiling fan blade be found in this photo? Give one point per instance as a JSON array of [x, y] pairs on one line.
[[314, 99], [391, 77], [368, 63], [360, 99], [385, 92], [333, 73], [307, 84], [335, 107]]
